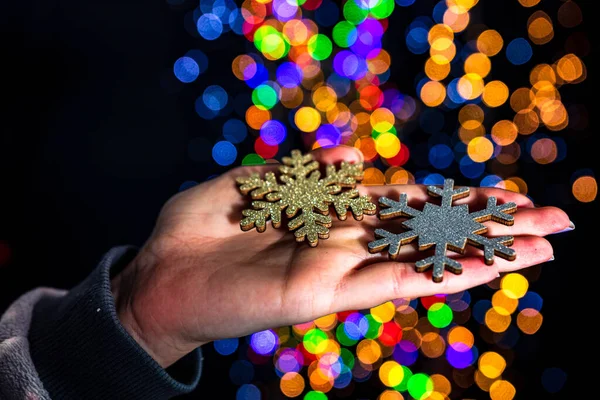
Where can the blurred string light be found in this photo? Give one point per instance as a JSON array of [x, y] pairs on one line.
[[318, 69]]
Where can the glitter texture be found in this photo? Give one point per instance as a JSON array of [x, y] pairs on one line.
[[446, 228], [303, 190]]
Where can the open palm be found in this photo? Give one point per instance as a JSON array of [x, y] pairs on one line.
[[200, 278]]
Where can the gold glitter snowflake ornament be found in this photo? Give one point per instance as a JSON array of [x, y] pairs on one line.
[[303, 190], [445, 227]]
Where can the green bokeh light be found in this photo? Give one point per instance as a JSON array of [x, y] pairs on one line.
[[439, 315], [420, 386], [314, 395], [347, 357], [313, 340], [375, 327], [403, 386], [253, 159], [264, 97], [383, 10], [353, 13], [342, 337], [319, 47], [344, 34]]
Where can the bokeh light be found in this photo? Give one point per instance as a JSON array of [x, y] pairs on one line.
[[484, 103]]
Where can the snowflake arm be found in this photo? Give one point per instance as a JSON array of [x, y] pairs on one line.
[[258, 216], [448, 193], [396, 208], [298, 165], [359, 205], [440, 262], [393, 240], [314, 226], [493, 246], [497, 213], [257, 187]]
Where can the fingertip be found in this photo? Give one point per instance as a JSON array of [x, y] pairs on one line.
[[336, 154]]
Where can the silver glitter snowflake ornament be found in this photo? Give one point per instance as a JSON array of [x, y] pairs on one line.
[[446, 227]]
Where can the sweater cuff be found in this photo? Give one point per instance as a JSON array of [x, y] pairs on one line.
[[81, 350]]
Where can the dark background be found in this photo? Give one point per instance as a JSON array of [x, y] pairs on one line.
[[95, 134]]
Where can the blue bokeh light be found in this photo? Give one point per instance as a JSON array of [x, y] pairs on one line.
[[224, 153], [186, 69], [235, 130], [209, 26], [519, 51]]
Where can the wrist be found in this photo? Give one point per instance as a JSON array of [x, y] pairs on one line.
[[139, 320]]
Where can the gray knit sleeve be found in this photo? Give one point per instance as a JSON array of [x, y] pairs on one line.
[[19, 379]]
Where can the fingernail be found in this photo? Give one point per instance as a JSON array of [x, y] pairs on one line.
[[567, 229], [551, 258]]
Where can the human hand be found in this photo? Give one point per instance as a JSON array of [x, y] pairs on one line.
[[200, 278]]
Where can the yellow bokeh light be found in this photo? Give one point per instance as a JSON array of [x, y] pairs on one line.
[[373, 176], [514, 285], [390, 395], [502, 390], [432, 345], [529, 3], [497, 322], [307, 119], [382, 120], [466, 135], [490, 42], [387, 145], [471, 116], [433, 93], [295, 32], [441, 384], [380, 63], [526, 121], [520, 183], [324, 98], [504, 304], [483, 381], [292, 384], [570, 68], [384, 312], [491, 364], [457, 18], [495, 93], [470, 86], [507, 185], [391, 373], [439, 31], [442, 50], [504, 132], [522, 99], [401, 177], [542, 72], [368, 351], [460, 334], [478, 63], [326, 322], [435, 71], [585, 189], [480, 149], [529, 320], [256, 117], [539, 28]]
